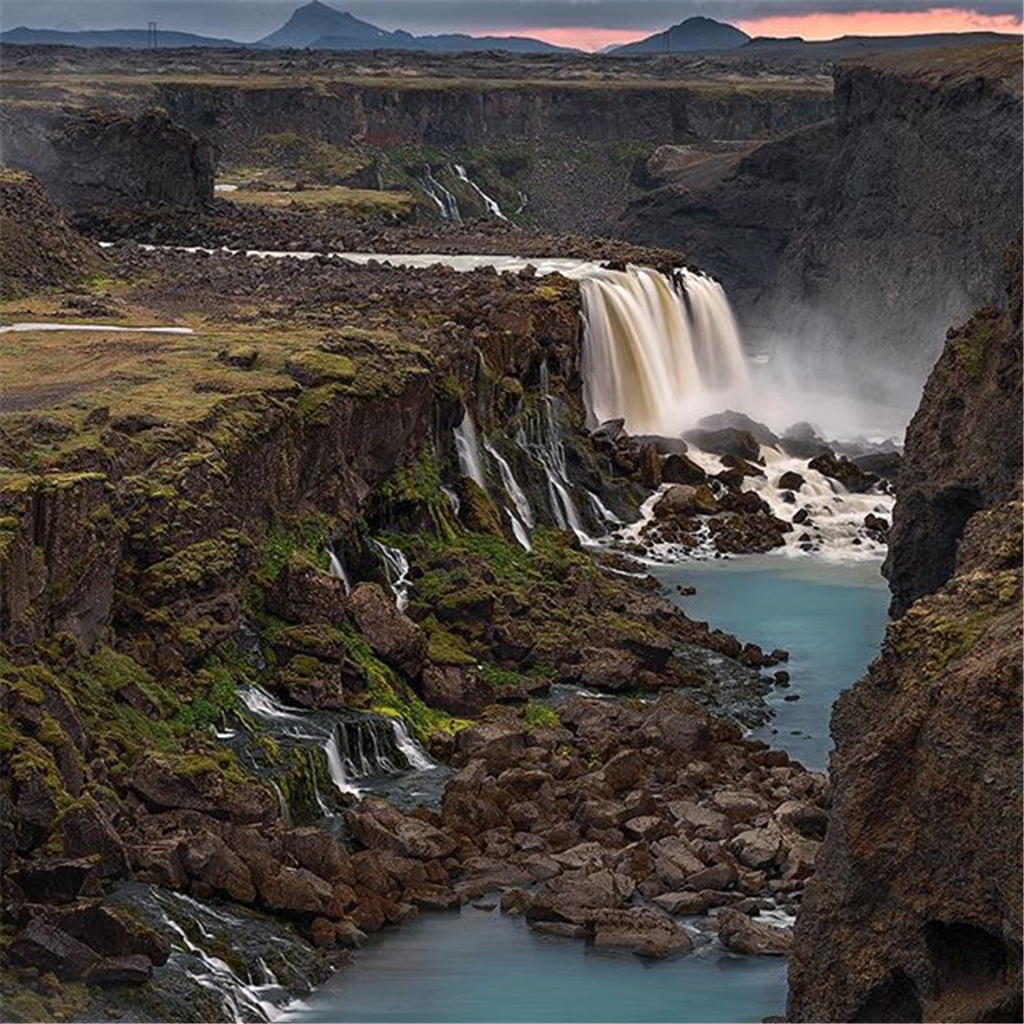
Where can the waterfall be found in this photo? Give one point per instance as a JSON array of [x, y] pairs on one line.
[[396, 569], [446, 202], [658, 354], [521, 519], [492, 206], [468, 449], [338, 570], [412, 751]]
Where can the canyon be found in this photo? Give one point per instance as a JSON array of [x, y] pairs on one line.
[[345, 525]]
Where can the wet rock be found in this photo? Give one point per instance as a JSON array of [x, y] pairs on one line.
[[376, 824], [756, 848], [46, 947], [87, 833], [680, 469], [641, 931], [804, 818], [684, 500], [876, 524], [739, 421], [499, 745], [790, 481], [134, 969], [727, 441], [391, 633], [742, 934], [848, 473], [215, 867], [58, 880], [457, 689], [609, 432]]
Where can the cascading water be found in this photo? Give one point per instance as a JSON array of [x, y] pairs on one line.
[[338, 570], [396, 569], [446, 202], [490, 204], [521, 518], [658, 354], [468, 449]]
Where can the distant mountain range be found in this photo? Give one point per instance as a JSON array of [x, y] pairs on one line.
[[317, 26], [693, 34], [314, 26]]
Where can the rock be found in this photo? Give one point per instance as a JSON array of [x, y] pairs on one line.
[[641, 931], [302, 593], [121, 970], [110, 932], [376, 824], [58, 880], [243, 357], [296, 891], [727, 441], [709, 823], [87, 833], [391, 633], [848, 473], [876, 524], [46, 947], [718, 876], [499, 745], [885, 465], [680, 469], [739, 421], [742, 934], [210, 862], [756, 848], [739, 805], [683, 903], [609, 432], [561, 929], [622, 772], [564, 897], [803, 818], [790, 481], [665, 446], [457, 689], [684, 500]]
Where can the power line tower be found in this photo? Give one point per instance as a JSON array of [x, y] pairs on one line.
[[152, 40]]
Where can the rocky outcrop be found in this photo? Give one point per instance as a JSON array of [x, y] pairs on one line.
[[37, 246], [915, 910], [833, 233], [963, 447], [94, 159]]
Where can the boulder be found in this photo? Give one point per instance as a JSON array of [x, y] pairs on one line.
[[681, 469], [743, 934], [790, 481], [756, 848], [303, 593], [215, 867], [685, 500], [46, 947], [848, 473], [727, 441], [133, 969], [739, 421], [392, 634], [640, 930], [457, 689], [376, 824]]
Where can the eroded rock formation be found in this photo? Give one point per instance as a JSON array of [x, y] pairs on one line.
[[915, 912]]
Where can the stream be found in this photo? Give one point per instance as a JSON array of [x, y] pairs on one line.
[[478, 965]]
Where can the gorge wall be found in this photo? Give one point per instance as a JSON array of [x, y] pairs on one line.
[[870, 232], [915, 910]]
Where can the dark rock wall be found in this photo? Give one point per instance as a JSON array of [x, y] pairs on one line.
[[915, 910], [90, 159], [871, 234]]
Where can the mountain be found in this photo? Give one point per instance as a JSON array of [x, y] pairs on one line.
[[696, 33], [315, 21], [317, 26], [121, 38]]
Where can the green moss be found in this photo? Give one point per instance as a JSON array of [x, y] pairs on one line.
[[501, 678], [540, 716], [308, 536], [478, 511], [198, 567], [972, 344], [314, 367], [445, 647]]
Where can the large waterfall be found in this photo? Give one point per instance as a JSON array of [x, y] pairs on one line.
[[659, 353]]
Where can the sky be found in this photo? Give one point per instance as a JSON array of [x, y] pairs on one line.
[[587, 24]]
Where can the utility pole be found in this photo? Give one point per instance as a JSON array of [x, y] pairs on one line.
[[151, 35]]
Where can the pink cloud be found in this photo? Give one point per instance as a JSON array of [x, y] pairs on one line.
[[827, 25]]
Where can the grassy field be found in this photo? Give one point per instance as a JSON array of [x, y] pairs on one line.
[[354, 202]]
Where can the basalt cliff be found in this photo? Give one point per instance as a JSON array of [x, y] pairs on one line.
[[915, 911], [871, 231]]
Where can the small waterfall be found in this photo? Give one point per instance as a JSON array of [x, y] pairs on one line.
[[491, 205], [658, 353], [446, 202], [468, 449], [396, 569], [603, 511], [338, 570], [453, 500], [521, 518], [412, 751], [337, 769]]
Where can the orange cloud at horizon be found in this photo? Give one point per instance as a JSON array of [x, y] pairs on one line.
[[817, 25], [828, 25]]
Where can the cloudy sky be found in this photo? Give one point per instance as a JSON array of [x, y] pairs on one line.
[[590, 24]]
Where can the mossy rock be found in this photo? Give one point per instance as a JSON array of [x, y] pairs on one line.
[[477, 510], [314, 368]]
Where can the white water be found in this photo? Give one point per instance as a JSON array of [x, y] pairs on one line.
[[659, 356], [468, 449], [338, 570], [492, 206], [5, 328], [396, 569], [337, 769], [413, 752], [446, 202], [522, 519]]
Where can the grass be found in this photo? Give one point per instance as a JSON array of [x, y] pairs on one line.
[[354, 202]]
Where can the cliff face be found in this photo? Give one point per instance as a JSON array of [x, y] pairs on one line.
[[858, 241], [963, 449], [93, 159], [915, 911]]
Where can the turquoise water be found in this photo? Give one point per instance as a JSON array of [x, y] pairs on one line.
[[482, 967], [479, 966], [829, 616]]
